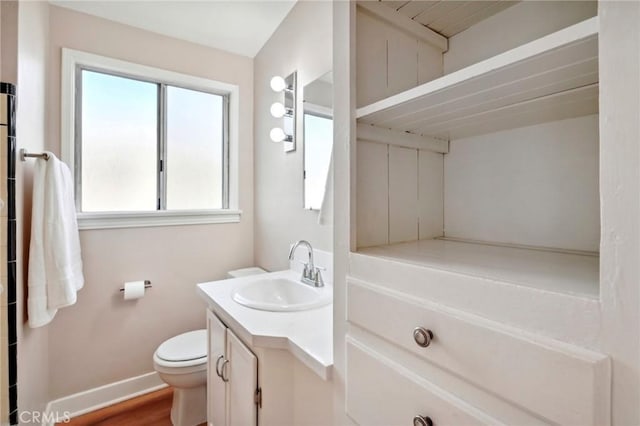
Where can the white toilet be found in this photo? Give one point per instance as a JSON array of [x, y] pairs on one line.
[[182, 363]]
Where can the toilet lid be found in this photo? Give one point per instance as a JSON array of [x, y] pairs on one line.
[[184, 347]]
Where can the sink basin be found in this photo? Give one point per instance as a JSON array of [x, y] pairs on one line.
[[281, 294]]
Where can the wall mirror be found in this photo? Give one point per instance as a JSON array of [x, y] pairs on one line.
[[317, 138]]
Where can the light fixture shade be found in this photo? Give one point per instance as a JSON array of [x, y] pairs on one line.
[[278, 84], [277, 134], [278, 110]]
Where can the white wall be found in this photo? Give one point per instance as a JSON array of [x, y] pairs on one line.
[[344, 157], [31, 131], [102, 339], [620, 191], [516, 25], [9, 42], [535, 185], [301, 43]]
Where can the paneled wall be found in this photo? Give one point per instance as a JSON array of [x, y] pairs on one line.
[[400, 194], [535, 185], [390, 60]]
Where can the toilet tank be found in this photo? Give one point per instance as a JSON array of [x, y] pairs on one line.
[[237, 273]]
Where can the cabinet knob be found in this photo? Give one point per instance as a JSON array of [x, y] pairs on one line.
[[422, 421], [422, 336]]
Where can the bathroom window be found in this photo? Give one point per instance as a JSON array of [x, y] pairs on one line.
[[149, 147]]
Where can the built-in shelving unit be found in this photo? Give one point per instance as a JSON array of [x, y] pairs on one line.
[[427, 198], [487, 181], [552, 78]]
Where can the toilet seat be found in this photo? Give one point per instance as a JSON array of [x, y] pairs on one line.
[[184, 347], [183, 367], [184, 350]]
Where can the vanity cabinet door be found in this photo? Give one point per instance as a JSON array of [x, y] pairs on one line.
[[242, 372], [216, 387]]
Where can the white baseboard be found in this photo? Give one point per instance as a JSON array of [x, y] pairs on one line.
[[100, 397]]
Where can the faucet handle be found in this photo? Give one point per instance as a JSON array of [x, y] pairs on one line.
[[317, 276], [307, 270]]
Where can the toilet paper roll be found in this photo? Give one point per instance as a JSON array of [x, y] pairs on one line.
[[133, 290]]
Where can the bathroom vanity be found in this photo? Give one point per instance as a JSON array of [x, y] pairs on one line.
[[267, 367]]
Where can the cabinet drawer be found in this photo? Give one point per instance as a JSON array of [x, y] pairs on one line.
[[381, 392], [559, 382]]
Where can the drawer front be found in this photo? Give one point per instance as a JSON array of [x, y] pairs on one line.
[[559, 382], [381, 392]]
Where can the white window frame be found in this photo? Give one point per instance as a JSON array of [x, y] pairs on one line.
[[72, 60]]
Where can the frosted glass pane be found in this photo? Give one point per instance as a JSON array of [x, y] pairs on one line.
[[119, 143], [194, 149], [318, 142]]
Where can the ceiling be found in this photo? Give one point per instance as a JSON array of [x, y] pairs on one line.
[[240, 26], [449, 17]]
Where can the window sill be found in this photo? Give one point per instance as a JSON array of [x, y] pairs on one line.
[[149, 219]]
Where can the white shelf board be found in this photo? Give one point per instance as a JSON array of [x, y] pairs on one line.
[[549, 270], [558, 71]]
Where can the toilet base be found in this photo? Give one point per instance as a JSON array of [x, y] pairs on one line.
[[189, 406]]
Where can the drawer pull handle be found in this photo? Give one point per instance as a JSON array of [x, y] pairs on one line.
[[422, 421], [422, 336], [223, 370], [220, 358]]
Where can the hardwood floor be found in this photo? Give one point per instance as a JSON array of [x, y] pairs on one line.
[[146, 410]]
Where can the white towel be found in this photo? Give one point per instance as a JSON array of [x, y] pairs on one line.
[[55, 263]]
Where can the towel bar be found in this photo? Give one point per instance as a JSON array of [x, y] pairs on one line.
[[24, 155]]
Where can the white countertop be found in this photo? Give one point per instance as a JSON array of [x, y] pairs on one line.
[[308, 335]]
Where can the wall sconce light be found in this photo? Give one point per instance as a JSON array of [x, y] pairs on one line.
[[278, 135], [278, 84], [286, 110], [278, 110]]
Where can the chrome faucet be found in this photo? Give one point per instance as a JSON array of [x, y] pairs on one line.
[[311, 274]]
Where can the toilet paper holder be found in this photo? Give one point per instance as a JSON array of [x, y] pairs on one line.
[[147, 284]]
